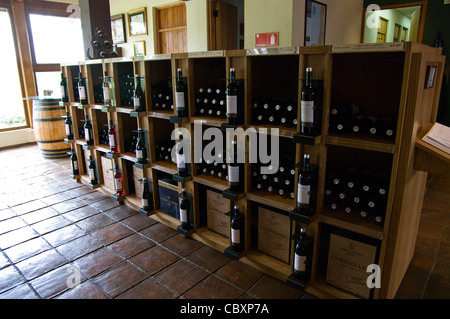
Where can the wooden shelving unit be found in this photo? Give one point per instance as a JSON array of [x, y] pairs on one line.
[[383, 80]]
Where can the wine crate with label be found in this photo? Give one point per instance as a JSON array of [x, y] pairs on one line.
[[371, 103]]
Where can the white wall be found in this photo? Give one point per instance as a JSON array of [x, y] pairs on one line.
[[197, 23], [16, 137], [343, 25]]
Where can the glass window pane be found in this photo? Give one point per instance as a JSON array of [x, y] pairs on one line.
[[48, 81], [12, 112], [56, 39]]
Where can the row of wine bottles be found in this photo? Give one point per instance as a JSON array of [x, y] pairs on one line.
[[164, 151], [280, 183], [210, 101], [213, 169], [356, 191], [348, 118], [275, 112]]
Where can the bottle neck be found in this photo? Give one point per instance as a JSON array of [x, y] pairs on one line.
[[232, 76], [179, 75], [306, 162], [308, 80]]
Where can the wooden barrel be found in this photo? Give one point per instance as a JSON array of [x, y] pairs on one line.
[[49, 129]]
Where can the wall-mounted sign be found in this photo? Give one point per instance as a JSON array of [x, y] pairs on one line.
[[269, 39]]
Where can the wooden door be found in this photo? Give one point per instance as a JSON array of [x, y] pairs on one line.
[[223, 26], [382, 30], [404, 34], [171, 29]]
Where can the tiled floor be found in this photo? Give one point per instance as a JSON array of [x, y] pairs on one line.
[[56, 234]]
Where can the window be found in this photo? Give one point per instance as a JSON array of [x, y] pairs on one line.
[[12, 107], [56, 39]]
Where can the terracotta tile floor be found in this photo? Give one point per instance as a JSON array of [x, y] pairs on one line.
[[56, 234], [52, 229]]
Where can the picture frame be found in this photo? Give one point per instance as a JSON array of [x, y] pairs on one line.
[[315, 23], [137, 22], [139, 48], [118, 28]]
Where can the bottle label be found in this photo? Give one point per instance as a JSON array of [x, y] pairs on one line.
[[63, 91], [87, 134], [303, 195], [68, 129], [136, 102], [106, 93], [232, 104], [307, 111], [139, 154], [300, 263], [235, 236], [112, 141], [119, 184], [75, 165], [82, 92], [179, 100], [183, 215], [91, 174], [233, 174], [181, 163], [145, 202]]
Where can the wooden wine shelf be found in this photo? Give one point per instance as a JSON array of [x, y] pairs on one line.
[[271, 200], [211, 181], [275, 73], [364, 143], [352, 222]]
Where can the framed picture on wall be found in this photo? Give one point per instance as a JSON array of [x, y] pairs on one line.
[[137, 22], [139, 48], [118, 29], [315, 23]]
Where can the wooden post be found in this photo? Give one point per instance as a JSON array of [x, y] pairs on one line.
[[96, 25]]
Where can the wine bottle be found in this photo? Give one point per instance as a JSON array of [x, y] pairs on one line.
[[232, 99], [63, 88], [147, 198], [181, 158], [304, 186], [141, 149], [308, 97], [138, 95], [118, 180], [91, 171], [344, 110], [74, 163], [180, 95], [302, 256], [88, 131], [385, 127], [112, 137], [185, 208], [107, 90], [373, 124], [237, 229], [81, 89], [69, 126], [233, 169]]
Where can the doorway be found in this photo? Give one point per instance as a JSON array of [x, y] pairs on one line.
[[225, 24], [396, 23]]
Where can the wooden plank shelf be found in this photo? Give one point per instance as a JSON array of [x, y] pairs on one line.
[[266, 198], [352, 222], [371, 144]]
